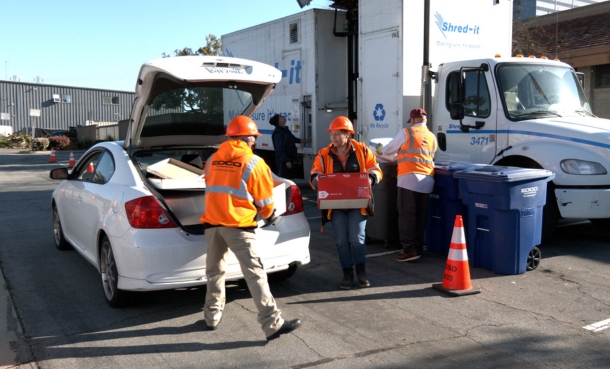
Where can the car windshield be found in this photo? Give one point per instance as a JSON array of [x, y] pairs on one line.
[[194, 111], [533, 91]]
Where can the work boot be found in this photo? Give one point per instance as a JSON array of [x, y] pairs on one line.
[[363, 281], [348, 278]]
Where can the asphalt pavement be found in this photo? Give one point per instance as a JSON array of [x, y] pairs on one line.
[[54, 314]]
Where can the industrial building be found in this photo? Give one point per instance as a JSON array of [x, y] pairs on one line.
[[27, 106]]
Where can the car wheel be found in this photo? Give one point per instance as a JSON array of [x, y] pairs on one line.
[[60, 241], [533, 259], [283, 275], [110, 277], [601, 222]]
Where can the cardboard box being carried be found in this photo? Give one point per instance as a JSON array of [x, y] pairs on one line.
[[174, 174], [343, 191]]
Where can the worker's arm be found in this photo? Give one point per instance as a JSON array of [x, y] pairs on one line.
[[318, 168], [260, 185], [372, 167], [393, 146]]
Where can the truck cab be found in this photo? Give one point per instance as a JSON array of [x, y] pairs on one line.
[[531, 113]]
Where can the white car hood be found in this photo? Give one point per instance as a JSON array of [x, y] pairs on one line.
[[197, 69]]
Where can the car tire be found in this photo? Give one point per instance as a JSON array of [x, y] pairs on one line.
[[283, 275], [60, 241], [110, 277], [601, 222]]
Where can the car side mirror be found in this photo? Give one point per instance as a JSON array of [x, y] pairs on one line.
[[59, 173]]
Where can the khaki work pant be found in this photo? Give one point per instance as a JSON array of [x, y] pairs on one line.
[[242, 243]]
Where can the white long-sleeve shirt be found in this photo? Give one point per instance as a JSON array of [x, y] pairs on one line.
[[411, 181]]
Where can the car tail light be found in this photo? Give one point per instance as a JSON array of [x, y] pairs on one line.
[[145, 212], [295, 201]]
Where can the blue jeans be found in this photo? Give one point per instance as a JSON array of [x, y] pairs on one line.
[[348, 227]]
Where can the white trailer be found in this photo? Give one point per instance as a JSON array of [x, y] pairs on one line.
[[313, 90]]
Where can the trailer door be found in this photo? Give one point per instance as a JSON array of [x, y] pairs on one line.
[[381, 85]]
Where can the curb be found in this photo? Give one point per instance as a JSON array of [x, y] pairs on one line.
[[14, 349]]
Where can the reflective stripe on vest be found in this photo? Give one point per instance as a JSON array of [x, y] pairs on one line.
[[242, 192]]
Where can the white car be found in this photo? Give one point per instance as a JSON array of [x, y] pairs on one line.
[[132, 207]]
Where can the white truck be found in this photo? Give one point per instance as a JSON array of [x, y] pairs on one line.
[[453, 59]]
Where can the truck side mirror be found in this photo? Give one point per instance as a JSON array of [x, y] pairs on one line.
[[455, 89], [581, 79], [456, 111]]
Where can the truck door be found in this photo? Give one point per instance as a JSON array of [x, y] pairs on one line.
[[381, 85], [480, 107]]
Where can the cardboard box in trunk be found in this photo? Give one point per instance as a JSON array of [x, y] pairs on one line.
[[343, 191], [174, 174]]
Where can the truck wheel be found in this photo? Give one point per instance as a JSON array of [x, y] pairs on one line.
[[550, 214], [533, 259], [601, 222]]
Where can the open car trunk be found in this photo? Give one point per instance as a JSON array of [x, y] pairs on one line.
[[177, 177]]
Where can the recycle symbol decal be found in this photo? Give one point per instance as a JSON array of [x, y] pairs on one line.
[[379, 112]]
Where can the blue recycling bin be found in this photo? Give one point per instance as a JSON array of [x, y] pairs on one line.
[[445, 202], [504, 215]]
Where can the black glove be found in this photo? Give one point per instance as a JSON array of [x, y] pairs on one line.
[[270, 220]]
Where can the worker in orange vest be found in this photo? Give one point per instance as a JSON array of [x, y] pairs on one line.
[[415, 146], [238, 186], [347, 155]]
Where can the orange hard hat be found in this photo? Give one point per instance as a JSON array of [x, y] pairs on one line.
[[242, 126], [341, 123]]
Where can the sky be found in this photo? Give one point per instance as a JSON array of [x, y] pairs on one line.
[[103, 44]]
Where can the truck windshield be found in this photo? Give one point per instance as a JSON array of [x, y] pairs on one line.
[[533, 91]]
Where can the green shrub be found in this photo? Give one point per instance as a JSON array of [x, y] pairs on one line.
[[58, 142], [110, 138], [16, 141], [40, 144]]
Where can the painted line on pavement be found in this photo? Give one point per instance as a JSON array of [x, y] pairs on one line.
[[596, 327], [384, 253], [320, 217]]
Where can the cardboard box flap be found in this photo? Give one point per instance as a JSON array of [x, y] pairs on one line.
[[174, 169]]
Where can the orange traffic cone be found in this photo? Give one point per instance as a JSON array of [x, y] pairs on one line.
[[72, 162], [90, 168], [457, 273], [53, 158]]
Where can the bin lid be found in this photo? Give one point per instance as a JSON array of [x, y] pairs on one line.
[[494, 173], [449, 167]]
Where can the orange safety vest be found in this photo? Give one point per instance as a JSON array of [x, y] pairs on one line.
[[238, 185], [367, 163], [417, 154]]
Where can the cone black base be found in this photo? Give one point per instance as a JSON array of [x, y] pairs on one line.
[[439, 287]]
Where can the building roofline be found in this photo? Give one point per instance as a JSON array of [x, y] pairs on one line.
[[65, 86]]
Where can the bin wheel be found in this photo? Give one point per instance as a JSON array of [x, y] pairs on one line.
[[533, 259]]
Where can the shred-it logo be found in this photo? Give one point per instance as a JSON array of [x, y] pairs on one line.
[[227, 163], [454, 28], [529, 192], [346, 175], [363, 176]]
